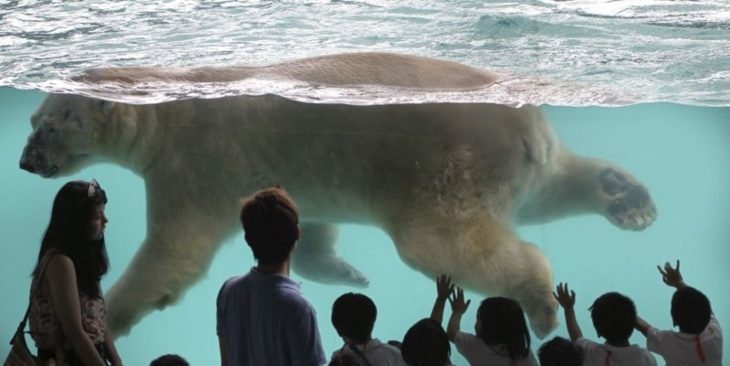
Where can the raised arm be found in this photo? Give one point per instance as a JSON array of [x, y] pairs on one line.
[[642, 326], [61, 279], [444, 286], [458, 308], [566, 299], [671, 276]]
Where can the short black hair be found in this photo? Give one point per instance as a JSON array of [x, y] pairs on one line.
[[169, 360], [560, 352], [347, 359], [353, 316], [614, 317], [426, 344], [691, 310], [270, 220]]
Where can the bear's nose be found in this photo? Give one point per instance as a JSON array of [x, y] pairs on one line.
[[25, 165]]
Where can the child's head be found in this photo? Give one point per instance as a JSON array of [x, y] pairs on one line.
[[169, 360], [560, 352], [353, 316], [690, 310], [614, 317], [501, 321], [271, 223], [347, 359], [426, 344]]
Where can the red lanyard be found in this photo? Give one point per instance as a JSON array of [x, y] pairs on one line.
[[606, 362], [698, 348]]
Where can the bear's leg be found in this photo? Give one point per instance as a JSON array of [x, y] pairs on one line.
[[485, 256], [180, 244], [315, 259]]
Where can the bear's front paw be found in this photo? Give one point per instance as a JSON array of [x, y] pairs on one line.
[[629, 205]]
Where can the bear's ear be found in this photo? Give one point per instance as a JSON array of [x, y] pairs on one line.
[[106, 107]]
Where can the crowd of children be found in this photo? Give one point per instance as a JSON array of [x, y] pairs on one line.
[[502, 337]]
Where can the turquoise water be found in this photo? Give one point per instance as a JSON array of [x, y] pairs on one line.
[[681, 152]]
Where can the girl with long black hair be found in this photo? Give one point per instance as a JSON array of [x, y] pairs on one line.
[[502, 337], [67, 312]]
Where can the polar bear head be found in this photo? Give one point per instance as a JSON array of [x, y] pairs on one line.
[[68, 131]]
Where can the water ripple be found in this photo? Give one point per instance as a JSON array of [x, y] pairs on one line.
[[567, 53]]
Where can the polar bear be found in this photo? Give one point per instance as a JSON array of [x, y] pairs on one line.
[[446, 181]]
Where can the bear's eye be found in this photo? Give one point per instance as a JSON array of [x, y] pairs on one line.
[[51, 129]]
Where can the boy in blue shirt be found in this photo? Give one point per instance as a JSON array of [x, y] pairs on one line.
[[262, 317]]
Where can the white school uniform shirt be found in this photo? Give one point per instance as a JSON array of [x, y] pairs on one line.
[[377, 352], [597, 354], [479, 353], [681, 348]]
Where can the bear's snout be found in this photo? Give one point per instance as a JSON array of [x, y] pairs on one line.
[[26, 165], [33, 161]]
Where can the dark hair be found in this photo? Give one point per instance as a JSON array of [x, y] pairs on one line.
[[560, 352], [347, 359], [68, 233], [270, 221], [169, 360], [503, 323], [691, 310], [353, 316], [614, 317], [426, 344]]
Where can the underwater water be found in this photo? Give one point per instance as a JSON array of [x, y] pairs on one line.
[[680, 152], [644, 84]]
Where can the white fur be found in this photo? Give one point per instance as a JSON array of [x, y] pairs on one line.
[[445, 181]]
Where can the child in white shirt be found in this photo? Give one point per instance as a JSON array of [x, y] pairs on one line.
[[353, 316], [699, 340], [614, 317], [501, 338]]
